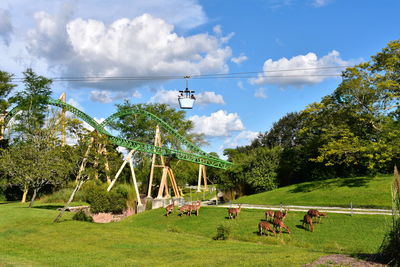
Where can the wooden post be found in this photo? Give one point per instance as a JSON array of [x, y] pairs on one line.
[[157, 141], [2, 126], [162, 183], [135, 183], [202, 172], [63, 98], [85, 158], [128, 157], [107, 166]]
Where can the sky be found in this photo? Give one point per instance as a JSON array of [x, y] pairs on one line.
[[251, 62]]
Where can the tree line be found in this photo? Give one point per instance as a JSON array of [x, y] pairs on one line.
[[352, 132]]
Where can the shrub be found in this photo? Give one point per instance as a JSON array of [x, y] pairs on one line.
[[95, 193], [62, 196], [82, 216], [223, 233]]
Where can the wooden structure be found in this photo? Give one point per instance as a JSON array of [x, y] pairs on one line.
[[202, 174], [129, 159], [167, 172]]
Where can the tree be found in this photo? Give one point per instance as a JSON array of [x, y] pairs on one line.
[[141, 128], [5, 89], [33, 103], [36, 162]]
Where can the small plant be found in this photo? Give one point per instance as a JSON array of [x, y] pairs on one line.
[[223, 232], [82, 216]]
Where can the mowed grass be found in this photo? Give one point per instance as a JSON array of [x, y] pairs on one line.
[[29, 238], [360, 191]]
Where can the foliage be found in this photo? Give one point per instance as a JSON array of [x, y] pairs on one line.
[[62, 196], [82, 216], [143, 129], [36, 162], [33, 103], [390, 248], [352, 132], [223, 232], [100, 200], [5, 89], [255, 170]]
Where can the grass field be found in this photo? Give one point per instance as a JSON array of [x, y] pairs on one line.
[[361, 191], [29, 238]]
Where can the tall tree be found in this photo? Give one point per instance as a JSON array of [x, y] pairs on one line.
[[33, 103]]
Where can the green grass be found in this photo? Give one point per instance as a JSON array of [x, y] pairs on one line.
[[361, 191], [29, 238], [192, 195]]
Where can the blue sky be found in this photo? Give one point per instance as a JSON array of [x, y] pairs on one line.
[[176, 38]]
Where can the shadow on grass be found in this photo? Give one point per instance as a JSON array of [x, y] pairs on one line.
[[374, 258], [340, 182], [48, 207]]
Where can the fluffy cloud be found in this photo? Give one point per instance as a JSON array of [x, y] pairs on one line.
[[143, 46], [306, 70], [260, 93], [170, 97], [6, 27], [239, 59], [219, 123], [104, 96]]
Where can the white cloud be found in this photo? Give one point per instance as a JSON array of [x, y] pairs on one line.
[[105, 96], [299, 70], [239, 59], [320, 3], [260, 93], [101, 96], [240, 85], [143, 46], [219, 123], [75, 103], [241, 139], [6, 26], [217, 29], [170, 97]]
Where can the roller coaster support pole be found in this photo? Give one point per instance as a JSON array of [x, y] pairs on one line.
[[153, 161], [85, 158], [162, 183], [2, 122], [63, 98], [135, 183], [128, 157], [107, 166], [202, 172]]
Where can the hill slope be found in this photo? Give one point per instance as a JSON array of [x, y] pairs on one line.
[[361, 191]]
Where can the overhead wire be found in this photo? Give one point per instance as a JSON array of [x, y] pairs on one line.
[[233, 75]]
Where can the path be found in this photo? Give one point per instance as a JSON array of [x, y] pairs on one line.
[[306, 208]]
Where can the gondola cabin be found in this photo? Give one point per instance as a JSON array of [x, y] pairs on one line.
[[186, 99]]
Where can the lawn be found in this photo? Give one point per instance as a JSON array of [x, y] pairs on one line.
[[360, 191], [29, 238]]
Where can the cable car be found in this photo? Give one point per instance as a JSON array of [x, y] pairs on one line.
[[186, 98]]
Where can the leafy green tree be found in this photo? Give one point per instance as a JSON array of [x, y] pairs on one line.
[[33, 103], [5, 89], [36, 162], [143, 129]]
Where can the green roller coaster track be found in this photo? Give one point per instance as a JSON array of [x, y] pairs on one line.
[[196, 155]]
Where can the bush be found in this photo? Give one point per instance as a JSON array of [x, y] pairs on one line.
[[223, 233], [82, 216], [95, 193]]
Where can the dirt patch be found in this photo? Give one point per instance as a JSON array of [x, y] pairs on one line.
[[341, 260], [109, 217]]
